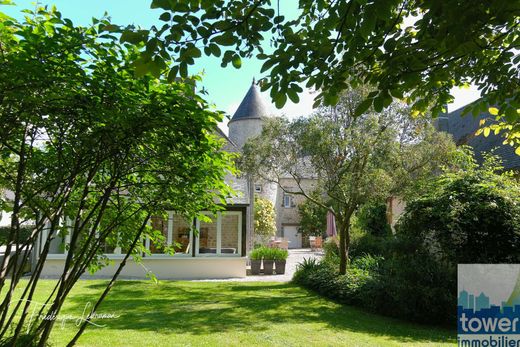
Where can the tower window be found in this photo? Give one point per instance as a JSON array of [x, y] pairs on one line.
[[258, 188], [287, 201]]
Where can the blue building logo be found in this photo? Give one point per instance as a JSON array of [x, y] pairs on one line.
[[488, 305]]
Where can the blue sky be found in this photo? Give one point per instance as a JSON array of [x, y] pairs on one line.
[[226, 86]]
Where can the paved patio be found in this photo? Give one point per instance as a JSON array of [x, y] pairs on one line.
[[296, 256]]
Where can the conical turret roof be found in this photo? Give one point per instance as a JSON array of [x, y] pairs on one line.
[[252, 106]]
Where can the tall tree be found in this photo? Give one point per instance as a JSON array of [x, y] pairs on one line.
[[354, 159], [415, 51], [82, 140]]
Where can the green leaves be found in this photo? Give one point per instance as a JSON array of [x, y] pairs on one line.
[[336, 46], [164, 4], [293, 96], [192, 52], [280, 100], [267, 65], [368, 24], [237, 62], [493, 111], [226, 39], [363, 107], [212, 49], [166, 16], [134, 37]]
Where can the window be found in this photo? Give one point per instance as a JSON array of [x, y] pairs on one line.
[[221, 236], [287, 201], [182, 236], [159, 223], [230, 233], [208, 235], [258, 188], [176, 235]]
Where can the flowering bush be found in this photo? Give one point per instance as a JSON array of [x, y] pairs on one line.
[[265, 217]]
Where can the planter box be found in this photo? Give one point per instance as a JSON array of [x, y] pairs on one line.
[[268, 267], [280, 266], [255, 267]]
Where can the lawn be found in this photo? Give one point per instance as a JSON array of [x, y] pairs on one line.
[[230, 314]]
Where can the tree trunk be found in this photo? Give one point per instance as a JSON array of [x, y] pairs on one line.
[[342, 249], [344, 241], [110, 284]]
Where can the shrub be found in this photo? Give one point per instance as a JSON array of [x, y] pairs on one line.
[[371, 244], [316, 275], [415, 288], [304, 270], [256, 254], [280, 254], [331, 247], [265, 217], [372, 219], [471, 217], [268, 253], [367, 262]]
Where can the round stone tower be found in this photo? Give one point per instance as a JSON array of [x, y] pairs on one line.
[[247, 123], [247, 120]]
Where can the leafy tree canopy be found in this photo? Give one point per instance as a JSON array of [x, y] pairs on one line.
[[84, 141], [415, 51], [313, 218]]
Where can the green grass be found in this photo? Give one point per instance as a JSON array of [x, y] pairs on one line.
[[230, 314]]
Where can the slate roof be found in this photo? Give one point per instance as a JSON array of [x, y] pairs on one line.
[[252, 106], [463, 128]]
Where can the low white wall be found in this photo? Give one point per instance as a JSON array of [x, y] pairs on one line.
[[164, 268]]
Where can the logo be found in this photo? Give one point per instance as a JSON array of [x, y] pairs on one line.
[[488, 307]]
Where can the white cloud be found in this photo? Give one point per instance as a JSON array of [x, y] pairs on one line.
[[292, 110]]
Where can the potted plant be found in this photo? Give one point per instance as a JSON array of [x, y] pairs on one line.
[[269, 255], [280, 259], [256, 260]]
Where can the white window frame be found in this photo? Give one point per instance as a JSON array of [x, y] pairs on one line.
[[287, 201], [169, 240], [219, 235]]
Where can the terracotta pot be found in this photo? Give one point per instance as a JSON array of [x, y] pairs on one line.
[[280, 266], [268, 267], [255, 267]]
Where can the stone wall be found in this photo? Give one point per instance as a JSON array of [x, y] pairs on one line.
[[290, 215], [242, 130]]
